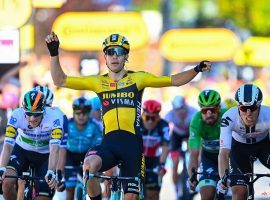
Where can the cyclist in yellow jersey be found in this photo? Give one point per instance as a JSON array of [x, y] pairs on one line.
[[120, 92]]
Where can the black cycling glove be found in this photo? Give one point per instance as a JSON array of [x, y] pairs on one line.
[[53, 48], [200, 66]]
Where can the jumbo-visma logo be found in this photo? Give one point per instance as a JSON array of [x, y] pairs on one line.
[[118, 95], [57, 133]]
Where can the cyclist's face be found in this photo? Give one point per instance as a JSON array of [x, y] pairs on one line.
[[81, 117], [181, 112], [115, 58], [150, 120], [210, 114], [33, 119], [249, 116]]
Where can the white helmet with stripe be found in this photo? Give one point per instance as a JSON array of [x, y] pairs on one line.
[[48, 94], [248, 95]]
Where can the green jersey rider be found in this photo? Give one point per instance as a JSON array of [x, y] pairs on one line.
[[204, 138]]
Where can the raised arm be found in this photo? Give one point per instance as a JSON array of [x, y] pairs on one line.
[[186, 76], [58, 75]]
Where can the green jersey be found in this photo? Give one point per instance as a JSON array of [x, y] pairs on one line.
[[202, 134]]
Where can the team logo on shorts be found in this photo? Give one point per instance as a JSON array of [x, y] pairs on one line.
[[57, 133]]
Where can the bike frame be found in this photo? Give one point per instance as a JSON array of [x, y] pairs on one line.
[[253, 177], [29, 179], [117, 192]]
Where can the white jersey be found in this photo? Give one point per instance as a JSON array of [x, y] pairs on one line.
[[232, 126], [64, 121], [176, 126], [35, 139]]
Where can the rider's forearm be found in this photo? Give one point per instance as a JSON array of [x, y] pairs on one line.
[[62, 159], [5, 154], [223, 161], [53, 158], [58, 75], [193, 160], [164, 154], [183, 77]]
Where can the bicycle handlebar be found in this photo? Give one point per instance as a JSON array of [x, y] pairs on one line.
[[137, 178], [27, 178]]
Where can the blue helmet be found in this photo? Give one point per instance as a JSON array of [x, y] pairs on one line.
[[82, 104]]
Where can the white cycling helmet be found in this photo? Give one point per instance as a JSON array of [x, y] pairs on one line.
[[178, 102], [47, 93], [248, 95]]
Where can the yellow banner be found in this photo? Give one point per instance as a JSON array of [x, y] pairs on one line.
[[14, 14], [254, 52], [48, 3], [193, 45], [27, 37], [87, 30]]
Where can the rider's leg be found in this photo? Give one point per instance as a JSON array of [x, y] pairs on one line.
[[239, 192], [107, 191], [70, 193], [9, 185], [93, 163], [131, 196], [152, 194], [175, 155], [207, 192]]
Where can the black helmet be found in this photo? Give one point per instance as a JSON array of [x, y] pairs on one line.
[[33, 101], [248, 95], [82, 104]]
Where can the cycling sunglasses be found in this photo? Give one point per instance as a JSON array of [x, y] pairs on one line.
[[34, 114], [116, 50], [78, 112], [148, 118], [211, 109], [251, 108]]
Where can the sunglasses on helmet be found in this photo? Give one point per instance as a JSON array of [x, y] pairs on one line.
[[214, 109], [245, 108], [116, 50], [34, 114]]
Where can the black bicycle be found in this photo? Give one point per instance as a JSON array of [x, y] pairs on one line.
[[30, 179], [116, 187], [252, 177]]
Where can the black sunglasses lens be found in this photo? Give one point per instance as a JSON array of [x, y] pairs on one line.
[[213, 110], [29, 114], [117, 51], [251, 108]]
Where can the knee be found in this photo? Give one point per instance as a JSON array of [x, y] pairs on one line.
[[7, 185], [92, 163], [239, 191]]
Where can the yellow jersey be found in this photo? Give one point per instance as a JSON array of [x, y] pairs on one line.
[[121, 100]]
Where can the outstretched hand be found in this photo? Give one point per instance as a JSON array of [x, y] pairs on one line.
[[204, 65], [53, 43]]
